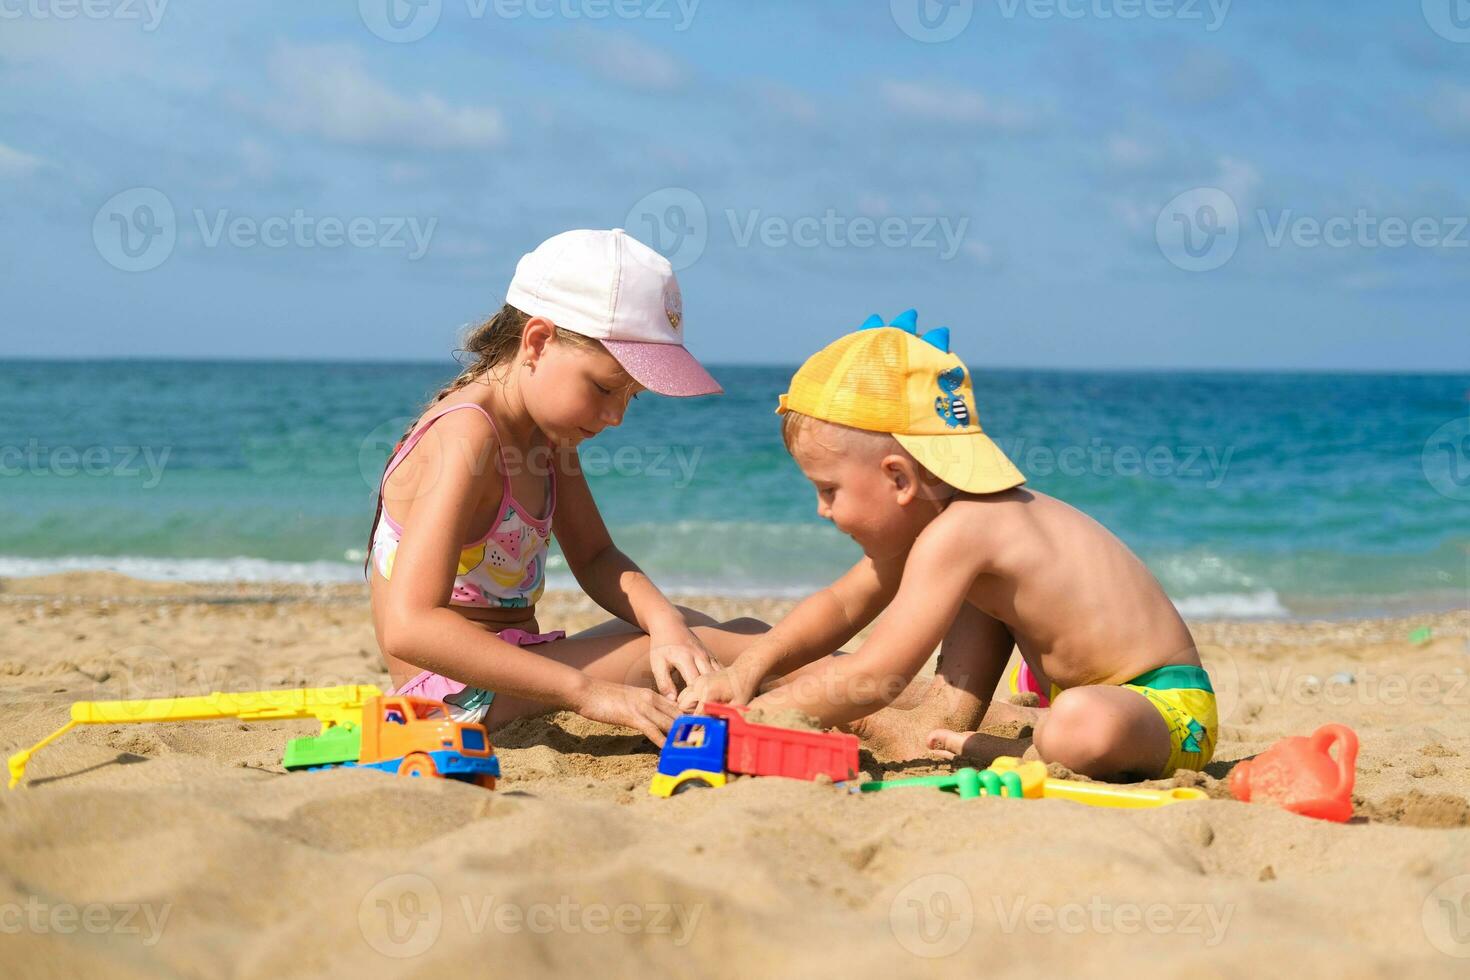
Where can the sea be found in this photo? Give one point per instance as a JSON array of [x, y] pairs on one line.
[[1249, 495]]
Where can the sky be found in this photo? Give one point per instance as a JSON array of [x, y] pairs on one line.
[[1064, 183]]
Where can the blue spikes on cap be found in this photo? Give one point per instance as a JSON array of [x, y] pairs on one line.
[[938, 337], [908, 322]]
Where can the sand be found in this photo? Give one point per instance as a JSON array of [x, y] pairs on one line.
[[185, 849]]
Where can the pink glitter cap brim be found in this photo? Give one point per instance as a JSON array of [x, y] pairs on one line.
[[665, 369]]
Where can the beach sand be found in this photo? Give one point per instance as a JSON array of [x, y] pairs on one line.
[[144, 850]]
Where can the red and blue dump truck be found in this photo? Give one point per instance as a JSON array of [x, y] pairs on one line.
[[704, 750]]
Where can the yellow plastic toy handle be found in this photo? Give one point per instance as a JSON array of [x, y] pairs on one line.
[[329, 705], [17, 762], [1103, 794]]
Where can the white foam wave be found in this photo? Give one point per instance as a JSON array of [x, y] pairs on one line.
[[188, 569], [1264, 604]]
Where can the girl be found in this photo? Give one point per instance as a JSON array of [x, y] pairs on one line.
[[470, 499]]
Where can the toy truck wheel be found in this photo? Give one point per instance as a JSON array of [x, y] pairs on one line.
[[695, 783], [416, 765]]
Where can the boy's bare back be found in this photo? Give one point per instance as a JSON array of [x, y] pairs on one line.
[[1082, 608]]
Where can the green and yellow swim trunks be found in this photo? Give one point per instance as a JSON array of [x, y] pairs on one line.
[[1181, 694]]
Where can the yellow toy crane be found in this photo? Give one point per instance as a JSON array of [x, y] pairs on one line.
[[335, 707]]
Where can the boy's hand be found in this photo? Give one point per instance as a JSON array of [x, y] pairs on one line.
[[677, 650], [632, 707], [731, 686]]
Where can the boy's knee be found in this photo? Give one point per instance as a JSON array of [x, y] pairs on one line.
[[1081, 735]]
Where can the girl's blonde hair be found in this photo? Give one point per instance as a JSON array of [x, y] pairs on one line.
[[491, 343]]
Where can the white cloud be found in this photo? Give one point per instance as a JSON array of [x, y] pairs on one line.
[[630, 62], [949, 104], [1450, 109], [15, 165], [327, 90], [1126, 153]]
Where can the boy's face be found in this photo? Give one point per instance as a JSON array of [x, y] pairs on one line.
[[862, 489]]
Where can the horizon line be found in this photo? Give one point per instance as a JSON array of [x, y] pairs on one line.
[[426, 362]]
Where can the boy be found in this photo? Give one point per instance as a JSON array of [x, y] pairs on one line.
[[956, 551]]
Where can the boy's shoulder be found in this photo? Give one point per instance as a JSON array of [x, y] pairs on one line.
[[974, 532]]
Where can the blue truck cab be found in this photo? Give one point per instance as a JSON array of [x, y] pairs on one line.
[[693, 756]]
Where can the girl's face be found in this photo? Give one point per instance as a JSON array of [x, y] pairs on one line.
[[572, 392]]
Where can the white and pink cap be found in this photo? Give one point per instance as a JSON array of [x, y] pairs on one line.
[[609, 286]]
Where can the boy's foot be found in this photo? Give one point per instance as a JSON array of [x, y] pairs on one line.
[[902, 733], [979, 749]]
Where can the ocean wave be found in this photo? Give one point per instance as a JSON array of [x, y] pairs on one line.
[[1265, 604], [188, 569]]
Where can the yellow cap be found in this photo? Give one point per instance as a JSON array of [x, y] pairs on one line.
[[888, 379]]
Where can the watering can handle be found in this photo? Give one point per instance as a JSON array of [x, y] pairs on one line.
[[1347, 751]]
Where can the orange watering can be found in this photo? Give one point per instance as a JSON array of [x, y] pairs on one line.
[[1300, 775]]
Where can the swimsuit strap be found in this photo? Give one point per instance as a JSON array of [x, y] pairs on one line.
[[418, 434], [507, 496]]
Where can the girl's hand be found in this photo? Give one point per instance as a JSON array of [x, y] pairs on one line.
[[632, 707], [677, 650], [731, 686]]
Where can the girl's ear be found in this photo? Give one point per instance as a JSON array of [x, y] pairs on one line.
[[537, 333]]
